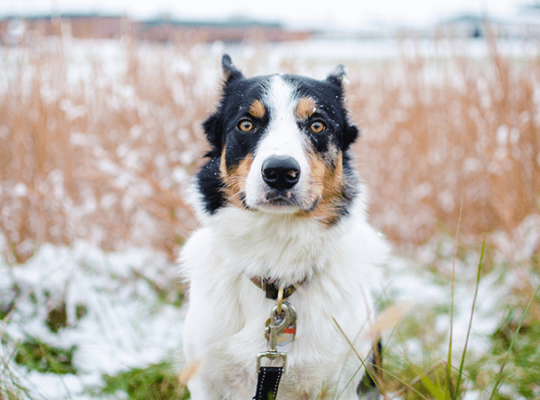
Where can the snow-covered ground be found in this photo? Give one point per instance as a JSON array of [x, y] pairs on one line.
[[132, 317], [121, 312]]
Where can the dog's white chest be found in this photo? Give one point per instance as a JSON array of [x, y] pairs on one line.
[[225, 326]]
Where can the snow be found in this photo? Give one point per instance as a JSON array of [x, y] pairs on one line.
[[411, 281], [127, 324]]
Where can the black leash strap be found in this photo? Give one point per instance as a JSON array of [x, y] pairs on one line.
[[268, 383], [281, 318]]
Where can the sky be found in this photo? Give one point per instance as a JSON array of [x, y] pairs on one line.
[[329, 13]]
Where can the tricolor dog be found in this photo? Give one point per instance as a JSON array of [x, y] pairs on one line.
[[283, 220]]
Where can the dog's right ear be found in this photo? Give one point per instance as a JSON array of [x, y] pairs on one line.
[[213, 126], [213, 129], [229, 70]]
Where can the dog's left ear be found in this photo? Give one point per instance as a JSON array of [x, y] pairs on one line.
[[338, 76]]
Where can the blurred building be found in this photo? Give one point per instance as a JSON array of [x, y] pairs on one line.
[[15, 30], [520, 26], [237, 29]]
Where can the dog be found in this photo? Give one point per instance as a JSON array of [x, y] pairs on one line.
[[280, 206]]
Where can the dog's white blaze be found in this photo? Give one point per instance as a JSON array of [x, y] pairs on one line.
[[282, 138]]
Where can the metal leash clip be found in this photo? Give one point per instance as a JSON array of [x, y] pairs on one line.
[[278, 323]]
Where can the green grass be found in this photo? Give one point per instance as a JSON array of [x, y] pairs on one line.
[[157, 382], [522, 370], [509, 369], [524, 358], [42, 357]]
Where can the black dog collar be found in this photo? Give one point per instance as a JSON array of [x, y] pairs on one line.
[[272, 288]]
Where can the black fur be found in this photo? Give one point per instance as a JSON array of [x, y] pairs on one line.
[[237, 96], [328, 95], [351, 189], [368, 389]]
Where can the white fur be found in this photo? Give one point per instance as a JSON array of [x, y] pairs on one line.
[[282, 138], [224, 327]]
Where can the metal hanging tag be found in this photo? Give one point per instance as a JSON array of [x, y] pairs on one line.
[[285, 337], [278, 324]]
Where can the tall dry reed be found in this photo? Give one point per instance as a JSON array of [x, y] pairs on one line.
[[436, 133], [102, 151], [105, 158]]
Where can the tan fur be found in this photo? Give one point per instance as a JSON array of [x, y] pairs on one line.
[[257, 109], [235, 179], [327, 187], [305, 108]]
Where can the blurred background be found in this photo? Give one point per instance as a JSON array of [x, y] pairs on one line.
[[101, 106]]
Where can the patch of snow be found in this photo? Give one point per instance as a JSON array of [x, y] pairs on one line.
[[127, 323], [20, 190]]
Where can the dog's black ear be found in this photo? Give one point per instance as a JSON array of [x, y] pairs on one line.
[[338, 76], [213, 126], [350, 134], [229, 70], [213, 129]]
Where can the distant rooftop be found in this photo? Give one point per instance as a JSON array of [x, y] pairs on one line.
[[240, 22], [236, 22], [61, 15]]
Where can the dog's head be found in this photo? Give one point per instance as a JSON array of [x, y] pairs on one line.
[[279, 144]]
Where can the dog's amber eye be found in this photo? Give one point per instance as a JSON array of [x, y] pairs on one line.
[[317, 126], [245, 125]]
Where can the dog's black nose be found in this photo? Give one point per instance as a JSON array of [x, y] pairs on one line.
[[281, 172]]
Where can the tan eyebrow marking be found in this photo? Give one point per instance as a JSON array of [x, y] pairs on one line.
[[257, 109], [305, 108]]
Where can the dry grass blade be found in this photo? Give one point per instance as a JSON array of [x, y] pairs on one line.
[[416, 380], [190, 371], [449, 361], [460, 372], [405, 384], [374, 378], [387, 320], [472, 380]]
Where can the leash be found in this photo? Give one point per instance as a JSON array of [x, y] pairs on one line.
[[268, 383], [269, 377], [280, 332]]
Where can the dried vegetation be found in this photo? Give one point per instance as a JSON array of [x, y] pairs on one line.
[[105, 155], [441, 131]]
